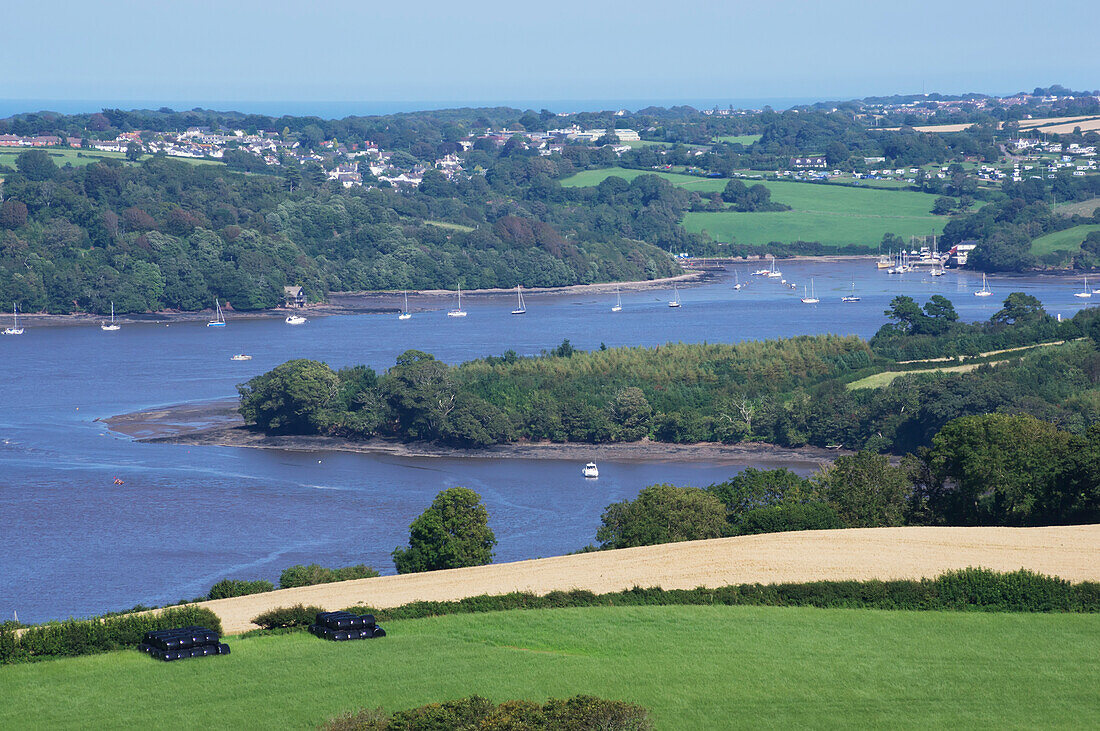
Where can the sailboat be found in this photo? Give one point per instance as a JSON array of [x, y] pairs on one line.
[[112, 325], [458, 311], [1086, 293], [853, 297], [14, 329], [405, 314], [984, 291], [675, 297], [774, 273], [618, 301], [521, 308], [737, 279], [811, 299], [219, 319]]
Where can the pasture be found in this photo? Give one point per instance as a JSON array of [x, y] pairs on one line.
[[745, 140], [692, 666], [1069, 240], [834, 215], [68, 155]]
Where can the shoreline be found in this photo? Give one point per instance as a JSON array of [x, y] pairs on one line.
[[217, 424]]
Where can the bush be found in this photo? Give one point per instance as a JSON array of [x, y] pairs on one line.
[[798, 516], [227, 588], [102, 634], [316, 574], [296, 616], [580, 712]]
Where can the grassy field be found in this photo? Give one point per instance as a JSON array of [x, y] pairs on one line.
[[693, 667], [1069, 239], [832, 214], [448, 224], [63, 155], [745, 140]]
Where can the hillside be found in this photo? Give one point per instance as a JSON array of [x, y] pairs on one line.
[[872, 553]]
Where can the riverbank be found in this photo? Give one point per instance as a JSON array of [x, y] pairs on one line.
[[372, 302], [217, 423]]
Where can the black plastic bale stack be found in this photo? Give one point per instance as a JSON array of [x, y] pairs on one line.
[[182, 642], [340, 626]]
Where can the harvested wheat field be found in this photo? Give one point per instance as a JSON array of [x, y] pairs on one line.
[[1071, 552]]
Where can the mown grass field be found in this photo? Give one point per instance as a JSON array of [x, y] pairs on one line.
[[693, 667], [745, 140], [831, 214], [1069, 239], [63, 155]]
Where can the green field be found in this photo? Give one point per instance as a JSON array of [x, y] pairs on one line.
[[1069, 239], [831, 214], [745, 140], [693, 667], [63, 155]]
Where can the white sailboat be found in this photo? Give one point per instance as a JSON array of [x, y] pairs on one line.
[[853, 297], [774, 273], [458, 311], [1086, 292], [737, 279], [14, 329], [112, 325], [521, 308], [810, 299], [984, 291], [405, 314], [219, 319], [618, 301], [675, 297]]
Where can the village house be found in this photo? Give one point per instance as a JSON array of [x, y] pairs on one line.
[[294, 297]]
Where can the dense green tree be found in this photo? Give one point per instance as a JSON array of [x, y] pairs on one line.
[[752, 488], [630, 414], [662, 514], [1020, 308], [36, 165], [289, 399], [452, 533], [865, 490]]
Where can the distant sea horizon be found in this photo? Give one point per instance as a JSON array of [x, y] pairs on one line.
[[341, 109]]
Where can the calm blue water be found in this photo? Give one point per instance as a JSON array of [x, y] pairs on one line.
[[73, 543]]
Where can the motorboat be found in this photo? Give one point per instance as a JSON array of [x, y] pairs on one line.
[[241, 356], [295, 320], [590, 470]]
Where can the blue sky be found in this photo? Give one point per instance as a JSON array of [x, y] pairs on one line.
[[480, 50]]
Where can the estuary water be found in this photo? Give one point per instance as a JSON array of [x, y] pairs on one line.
[[73, 543]]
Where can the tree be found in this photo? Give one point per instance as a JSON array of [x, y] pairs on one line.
[[420, 393], [753, 488], [13, 214], [289, 399], [662, 514], [996, 469], [631, 413], [36, 165], [133, 152], [452, 533], [943, 206], [1020, 308], [865, 490]]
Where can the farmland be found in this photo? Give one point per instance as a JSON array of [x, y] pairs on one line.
[[67, 155], [1069, 239], [745, 140], [693, 667], [831, 214]]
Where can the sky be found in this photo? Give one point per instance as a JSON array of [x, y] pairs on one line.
[[430, 51]]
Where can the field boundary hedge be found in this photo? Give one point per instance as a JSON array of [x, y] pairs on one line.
[[971, 589], [75, 637]]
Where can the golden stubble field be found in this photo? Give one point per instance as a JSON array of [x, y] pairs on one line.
[[1071, 552]]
